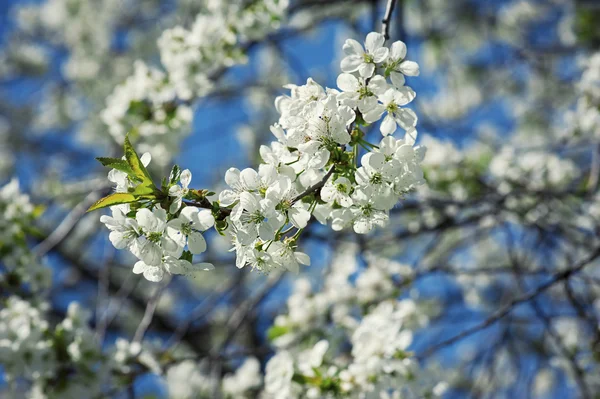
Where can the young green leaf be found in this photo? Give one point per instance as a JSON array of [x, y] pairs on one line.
[[138, 168], [118, 164], [113, 199]]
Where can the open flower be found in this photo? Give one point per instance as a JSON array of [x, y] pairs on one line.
[[282, 194], [188, 226], [154, 241], [123, 230], [180, 191], [366, 214], [391, 102], [359, 94], [338, 191], [364, 60], [397, 67], [284, 255], [258, 218]]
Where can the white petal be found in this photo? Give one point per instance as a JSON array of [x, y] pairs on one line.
[[146, 219], [188, 214], [375, 160], [266, 232], [366, 70], [378, 85], [204, 220], [398, 50], [228, 197], [352, 47], [186, 178], [118, 239], [175, 266], [406, 118], [196, 243], [232, 177], [347, 114], [303, 258], [249, 202], [146, 158], [347, 82], [397, 79], [351, 63], [374, 41], [175, 205], [409, 68], [154, 274], [299, 216], [249, 177], [362, 226], [411, 136], [380, 54], [374, 114], [388, 126], [139, 267]]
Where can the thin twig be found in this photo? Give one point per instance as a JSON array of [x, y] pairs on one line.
[[149, 313], [68, 223], [314, 187], [385, 23], [506, 309]]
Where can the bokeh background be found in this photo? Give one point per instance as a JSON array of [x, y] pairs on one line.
[[508, 102]]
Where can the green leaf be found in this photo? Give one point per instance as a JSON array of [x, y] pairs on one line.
[[277, 331], [175, 174], [138, 168], [113, 199], [118, 164], [106, 161], [187, 255], [145, 190]]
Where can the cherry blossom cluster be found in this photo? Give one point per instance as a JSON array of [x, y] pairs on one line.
[[586, 116], [64, 361], [378, 361], [154, 105], [189, 380], [20, 268], [192, 56], [148, 104], [159, 237], [321, 165], [313, 167], [535, 170]]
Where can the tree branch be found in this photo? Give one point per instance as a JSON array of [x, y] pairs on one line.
[[506, 309], [385, 23]]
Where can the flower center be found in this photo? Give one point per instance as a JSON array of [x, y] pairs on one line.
[[341, 188], [186, 228], [368, 58], [254, 218], [376, 178], [154, 237], [367, 210]]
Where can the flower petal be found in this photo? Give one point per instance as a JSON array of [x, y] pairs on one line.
[[186, 178], [347, 82], [351, 63], [374, 41], [398, 50], [154, 274], [196, 243], [388, 126]]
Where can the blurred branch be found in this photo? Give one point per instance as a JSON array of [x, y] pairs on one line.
[[506, 309]]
